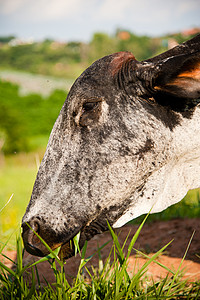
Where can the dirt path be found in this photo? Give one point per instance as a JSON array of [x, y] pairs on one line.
[[152, 237]]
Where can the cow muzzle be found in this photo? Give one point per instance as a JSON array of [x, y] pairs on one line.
[[35, 246]]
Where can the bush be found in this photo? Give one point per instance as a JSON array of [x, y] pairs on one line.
[[25, 117], [12, 132]]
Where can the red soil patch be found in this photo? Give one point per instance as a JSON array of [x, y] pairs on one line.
[[152, 238]]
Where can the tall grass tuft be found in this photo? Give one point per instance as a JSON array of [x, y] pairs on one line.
[[110, 280]]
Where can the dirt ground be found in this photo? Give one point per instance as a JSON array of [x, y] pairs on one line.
[[152, 238]]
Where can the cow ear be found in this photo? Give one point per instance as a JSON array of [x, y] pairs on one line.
[[176, 82]]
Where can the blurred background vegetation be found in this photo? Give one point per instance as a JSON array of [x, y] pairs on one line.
[[29, 110], [35, 78]]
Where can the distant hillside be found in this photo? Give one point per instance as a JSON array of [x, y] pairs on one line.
[[70, 59]]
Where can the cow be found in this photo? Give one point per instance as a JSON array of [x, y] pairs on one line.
[[126, 141]]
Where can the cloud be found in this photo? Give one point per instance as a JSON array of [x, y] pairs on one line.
[[11, 6], [40, 9], [109, 10], [80, 18], [53, 10], [187, 6]]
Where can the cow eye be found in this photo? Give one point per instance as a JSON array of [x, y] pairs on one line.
[[89, 106], [90, 113]]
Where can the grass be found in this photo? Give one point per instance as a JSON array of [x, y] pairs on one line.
[[109, 281], [17, 175]]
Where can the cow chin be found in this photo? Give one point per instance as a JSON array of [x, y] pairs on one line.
[[95, 227], [67, 249]]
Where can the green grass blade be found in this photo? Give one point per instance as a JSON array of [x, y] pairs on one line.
[[45, 258], [141, 272], [32, 289], [84, 250], [125, 241], [117, 244], [157, 262], [178, 270], [135, 237], [19, 254], [76, 243], [7, 269], [8, 258]]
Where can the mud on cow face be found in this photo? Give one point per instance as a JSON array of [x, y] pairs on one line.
[[127, 139]]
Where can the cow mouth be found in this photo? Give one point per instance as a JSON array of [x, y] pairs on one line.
[[67, 249], [34, 245]]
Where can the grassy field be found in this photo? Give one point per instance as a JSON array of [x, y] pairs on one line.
[[17, 175]]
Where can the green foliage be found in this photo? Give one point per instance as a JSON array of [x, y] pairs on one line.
[[48, 57], [141, 46], [69, 59], [101, 45], [6, 39], [40, 114], [109, 281], [12, 131], [23, 117]]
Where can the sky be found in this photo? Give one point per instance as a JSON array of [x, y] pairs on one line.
[[77, 20]]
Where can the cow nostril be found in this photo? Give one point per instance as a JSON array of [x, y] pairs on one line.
[[31, 226], [35, 226], [32, 243], [33, 239]]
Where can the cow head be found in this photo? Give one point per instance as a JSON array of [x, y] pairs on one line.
[[127, 139]]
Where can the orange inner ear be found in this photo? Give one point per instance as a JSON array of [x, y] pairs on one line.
[[194, 73], [182, 79]]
